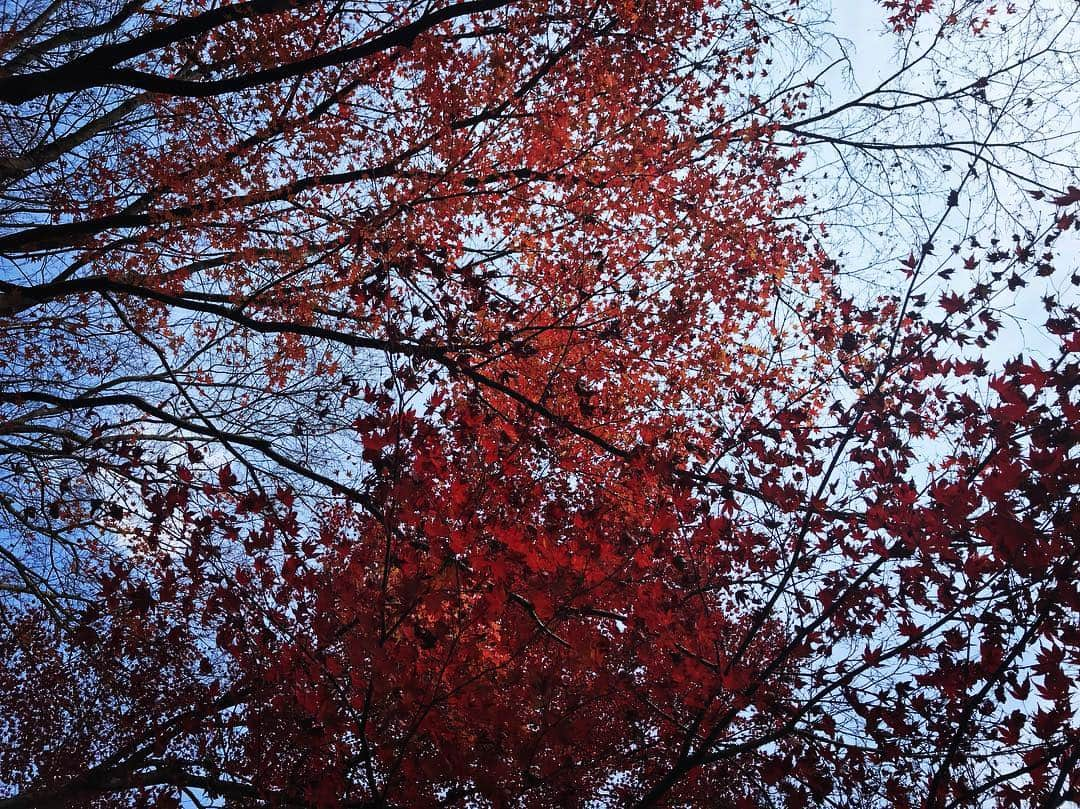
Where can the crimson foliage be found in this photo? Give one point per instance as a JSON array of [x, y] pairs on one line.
[[461, 404]]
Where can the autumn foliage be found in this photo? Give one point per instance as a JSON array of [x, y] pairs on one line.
[[459, 404]]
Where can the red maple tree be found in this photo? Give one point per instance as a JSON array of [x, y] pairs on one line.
[[460, 404]]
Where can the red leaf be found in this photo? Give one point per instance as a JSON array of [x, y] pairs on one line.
[[1071, 195]]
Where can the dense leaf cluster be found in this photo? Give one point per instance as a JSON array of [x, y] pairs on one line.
[[461, 404]]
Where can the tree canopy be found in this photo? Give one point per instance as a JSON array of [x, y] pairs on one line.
[[538, 403]]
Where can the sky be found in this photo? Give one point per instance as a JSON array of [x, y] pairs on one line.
[[873, 56]]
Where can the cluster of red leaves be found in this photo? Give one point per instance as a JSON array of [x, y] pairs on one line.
[[490, 475]]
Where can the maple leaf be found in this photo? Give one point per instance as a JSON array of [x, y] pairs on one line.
[[953, 303], [226, 478], [1072, 195]]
